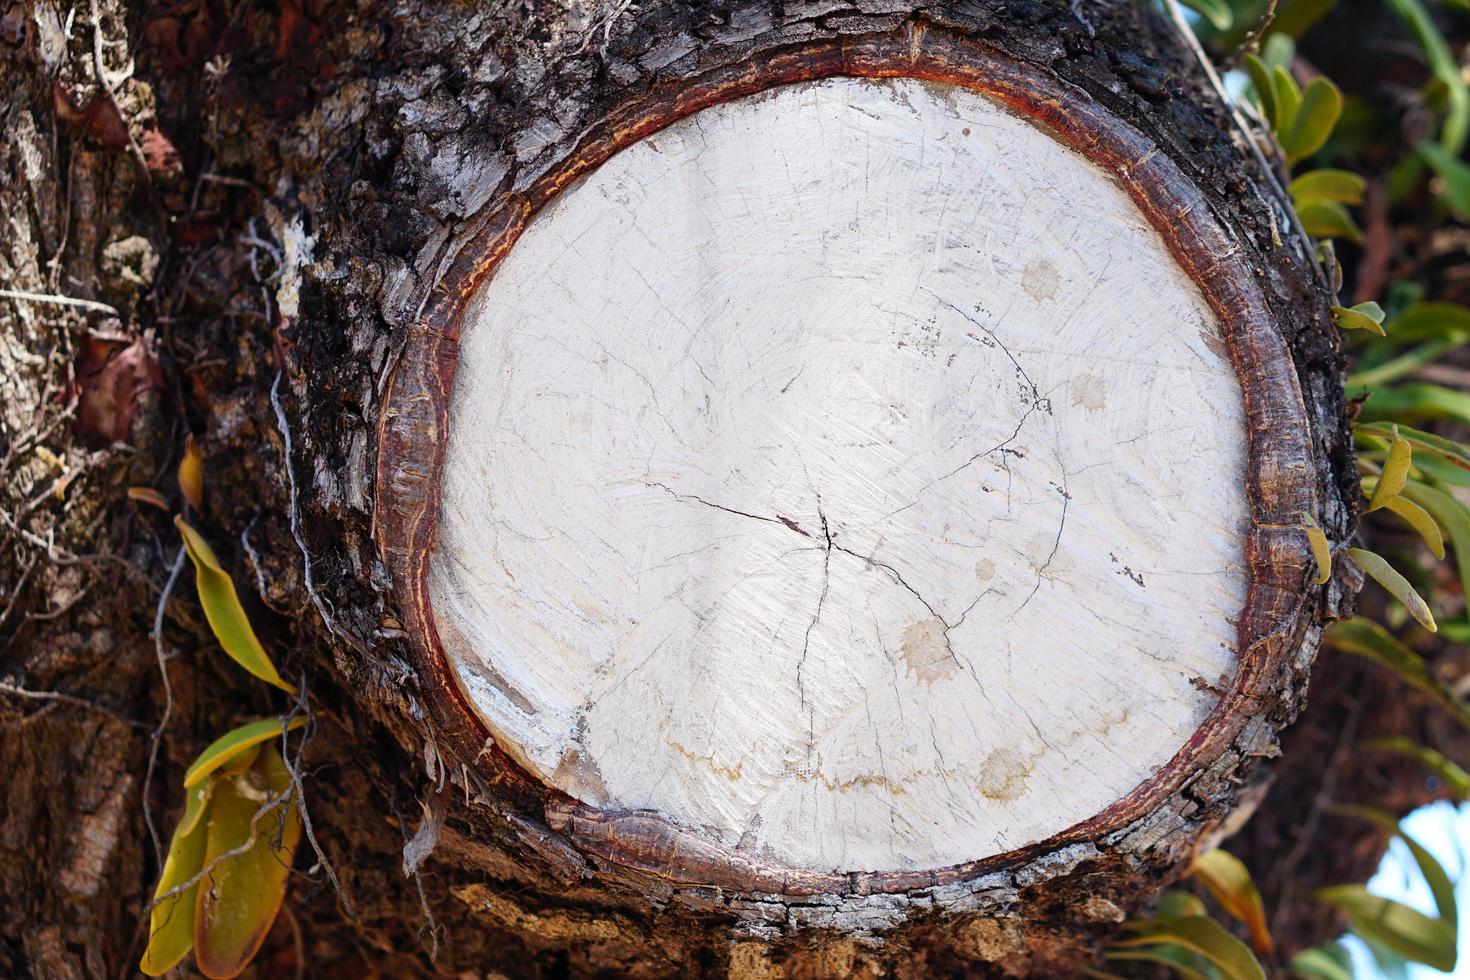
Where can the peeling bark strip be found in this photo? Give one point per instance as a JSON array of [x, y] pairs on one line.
[[1277, 627]]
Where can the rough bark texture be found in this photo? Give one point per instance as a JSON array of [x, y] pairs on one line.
[[269, 203]]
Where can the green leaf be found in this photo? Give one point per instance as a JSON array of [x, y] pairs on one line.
[[1442, 471], [223, 610], [1446, 70], [1447, 449], [243, 893], [1321, 550], [1395, 584], [1326, 184], [196, 802], [1451, 515], [1229, 881], [191, 473], [1456, 779], [1201, 935], [1440, 885], [1418, 400], [1288, 101], [1217, 12], [1395, 471], [1418, 518], [237, 740], [1432, 321], [1321, 105], [238, 762], [1364, 316], [1406, 931], [1328, 219], [1454, 174], [1367, 639], [1265, 88], [171, 922], [1395, 368], [1175, 902], [1330, 962], [1181, 961]]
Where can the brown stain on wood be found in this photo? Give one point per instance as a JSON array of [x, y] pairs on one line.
[[925, 649], [1041, 280], [1089, 392], [1005, 775]]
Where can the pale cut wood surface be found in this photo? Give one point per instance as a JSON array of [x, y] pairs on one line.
[[847, 472]]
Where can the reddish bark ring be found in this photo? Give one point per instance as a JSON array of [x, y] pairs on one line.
[[1280, 477]]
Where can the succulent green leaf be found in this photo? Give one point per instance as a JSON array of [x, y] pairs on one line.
[[222, 608], [196, 803], [1201, 935], [1455, 778], [1440, 885], [1451, 516], [1175, 902], [1265, 88], [234, 742], [1226, 877], [1326, 184], [1395, 584], [1320, 107], [1371, 641], [1446, 71], [1328, 219], [1447, 449], [1364, 316], [1404, 930], [242, 894], [1330, 962], [1419, 519], [1217, 12], [1454, 174], [1432, 321], [1288, 101], [1321, 550], [171, 922], [1395, 471], [1180, 961]]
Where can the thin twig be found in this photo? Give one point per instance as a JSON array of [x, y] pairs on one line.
[[55, 300], [293, 766], [432, 923], [273, 803], [109, 85], [19, 589], [1252, 42], [297, 938], [214, 178], [168, 700], [58, 696], [1268, 172]]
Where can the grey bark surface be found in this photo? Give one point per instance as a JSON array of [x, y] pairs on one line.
[[265, 203]]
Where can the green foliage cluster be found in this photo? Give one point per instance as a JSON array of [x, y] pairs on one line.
[[1417, 475], [224, 877]]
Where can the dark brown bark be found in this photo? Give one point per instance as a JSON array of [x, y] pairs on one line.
[[335, 166]]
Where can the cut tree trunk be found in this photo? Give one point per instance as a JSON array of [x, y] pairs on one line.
[[774, 488]]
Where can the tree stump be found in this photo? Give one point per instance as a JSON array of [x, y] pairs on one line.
[[864, 478], [754, 489]]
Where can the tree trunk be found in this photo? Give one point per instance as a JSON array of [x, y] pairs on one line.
[[750, 488]]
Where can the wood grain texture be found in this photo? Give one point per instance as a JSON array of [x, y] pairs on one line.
[[1280, 478], [848, 471]]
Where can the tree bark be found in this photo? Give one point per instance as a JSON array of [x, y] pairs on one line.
[[277, 217]]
